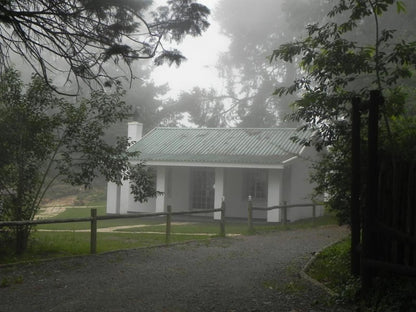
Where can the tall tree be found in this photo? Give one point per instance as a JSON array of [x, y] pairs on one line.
[[78, 37], [45, 139], [359, 46], [250, 75]]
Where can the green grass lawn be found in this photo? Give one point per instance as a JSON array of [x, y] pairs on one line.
[[63, 239], [332, 266]]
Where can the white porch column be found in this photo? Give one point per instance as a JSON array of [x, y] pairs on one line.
[[219, 191], [125, 194], [113, 198], [160, 186], [274, 194]]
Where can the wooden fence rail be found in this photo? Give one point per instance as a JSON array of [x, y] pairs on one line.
[[94, 218], [283, 208]]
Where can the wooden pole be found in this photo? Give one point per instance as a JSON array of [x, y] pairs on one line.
[[355, 187], [93, 239], [222, 221], [168, 223], [250, 214], [367, 273], [284, 213], [313, 212]]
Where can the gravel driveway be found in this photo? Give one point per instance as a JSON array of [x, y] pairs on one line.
[[248, 273]]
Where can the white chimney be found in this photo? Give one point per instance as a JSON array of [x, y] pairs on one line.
[[134, 131]]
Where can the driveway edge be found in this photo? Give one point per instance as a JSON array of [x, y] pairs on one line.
[[305, 276]]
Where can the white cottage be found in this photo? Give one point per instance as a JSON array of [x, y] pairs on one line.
[[197, 168]]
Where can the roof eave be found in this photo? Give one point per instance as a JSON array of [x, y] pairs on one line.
[[212, 164]]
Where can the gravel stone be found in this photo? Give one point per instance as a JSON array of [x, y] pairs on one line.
[[238, 274]]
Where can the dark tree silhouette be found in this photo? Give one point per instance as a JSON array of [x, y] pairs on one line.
[[77, 37]]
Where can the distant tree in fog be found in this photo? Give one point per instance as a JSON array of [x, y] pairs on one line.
[[251, 79]]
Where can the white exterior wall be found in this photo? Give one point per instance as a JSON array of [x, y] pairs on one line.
[[113, 198], [160, 187], [126, 198], [219, 191], [299, 188], [274, 191], [179, 197]]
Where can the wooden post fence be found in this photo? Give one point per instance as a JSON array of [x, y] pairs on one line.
[[93, 242], [93, 219], [284, 213], [168, 223], [313, 213], [367, 273], [250, 214], [222, 221]]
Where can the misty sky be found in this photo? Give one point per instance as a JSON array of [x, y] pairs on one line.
[[202, 53]]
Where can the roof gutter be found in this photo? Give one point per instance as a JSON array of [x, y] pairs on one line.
[[212, 165]]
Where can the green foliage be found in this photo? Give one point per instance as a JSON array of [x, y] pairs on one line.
[[343, 57], [332, 268], [46, 139], [389, 294], [144, 182], [402, 144]]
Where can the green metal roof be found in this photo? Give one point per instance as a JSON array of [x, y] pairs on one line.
[[269, 146]]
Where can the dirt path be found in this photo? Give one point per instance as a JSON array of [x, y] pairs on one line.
[[119, 229], [55, 207], [247, 273]]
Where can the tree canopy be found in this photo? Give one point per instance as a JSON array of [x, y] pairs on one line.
[[249, 76], [78, 37], [46, 139], [359, 46]]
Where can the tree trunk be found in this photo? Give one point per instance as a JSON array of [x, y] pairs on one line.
[[22, 238]]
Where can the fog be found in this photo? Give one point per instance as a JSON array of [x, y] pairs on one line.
[[227, 79]]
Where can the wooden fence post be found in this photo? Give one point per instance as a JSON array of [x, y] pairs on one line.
[[222, 221], [250, 214], [284, 213], [369, 239], [313, 212], [93, 239], [168, 223], [355, 187]]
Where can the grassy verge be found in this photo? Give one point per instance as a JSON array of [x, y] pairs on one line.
[[332, 268], [388, 294], [64, 239], [45, 245]]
